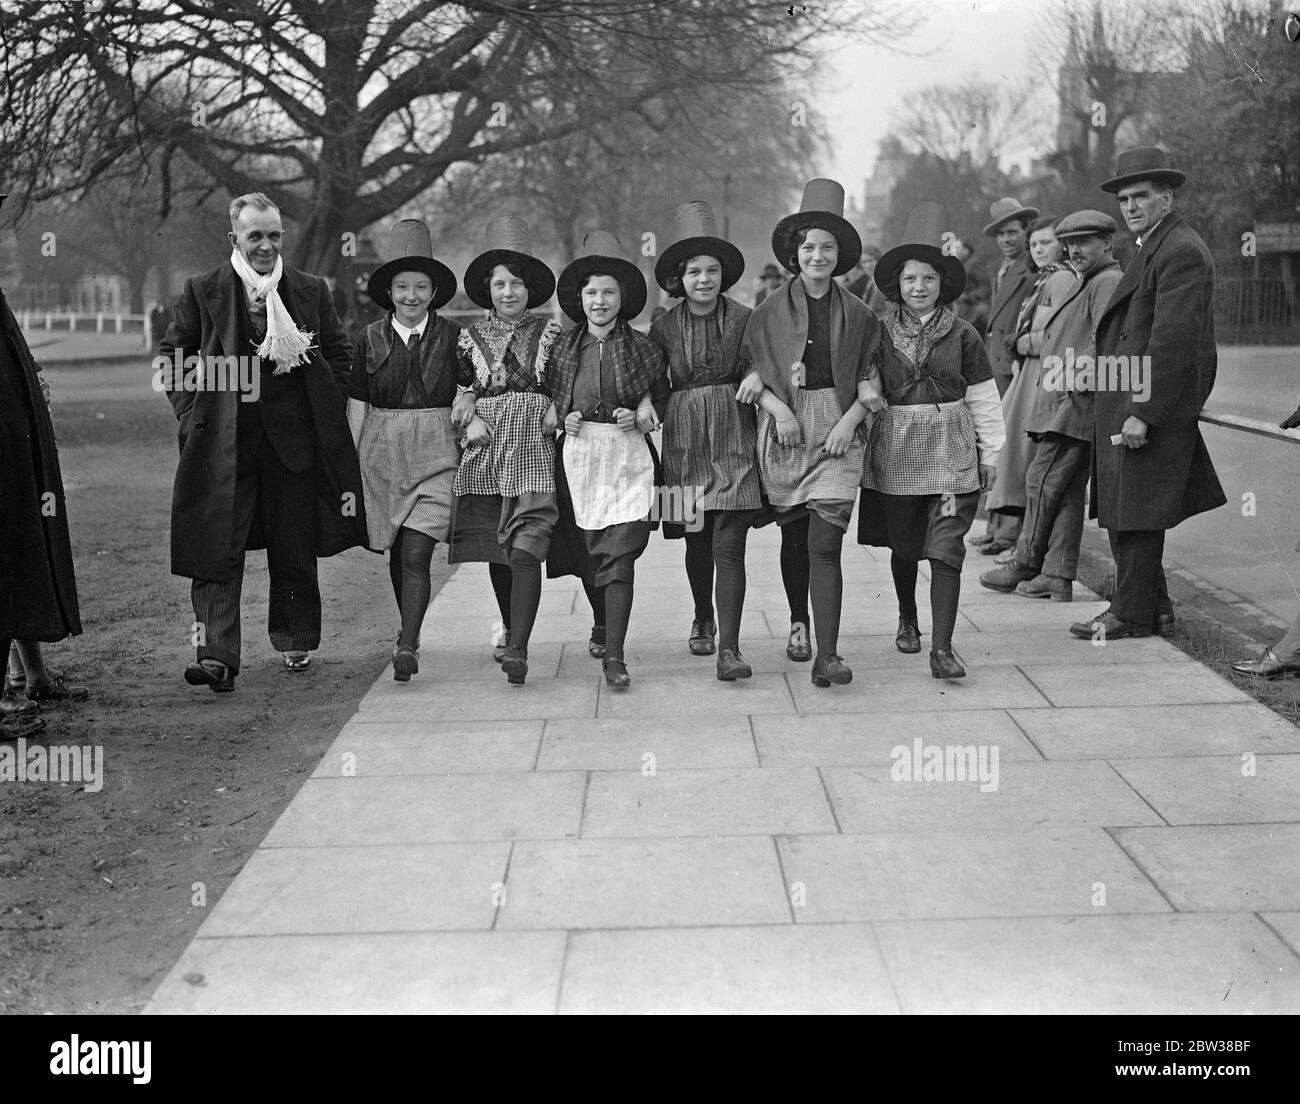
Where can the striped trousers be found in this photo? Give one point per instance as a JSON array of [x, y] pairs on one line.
[[285, 503]]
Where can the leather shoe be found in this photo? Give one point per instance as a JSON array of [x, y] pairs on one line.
[[1056, 587], [297, 661], [405, 664], [994, 547], [596, 645], [1006, 579], [731, 666], [16, 707], [703, 638], [616, 676], [1107, 626], [1269, 666], [499, 648], [212, 674], [908, 639], [515, 665], [829, 669], [1164, 624], [797, 646], [984, 538], [943, 665]]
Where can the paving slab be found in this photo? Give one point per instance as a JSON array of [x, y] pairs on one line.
[[1287, 925], [829, 969], [1027, 794], [1243, 868], [1023, 647], [366, 748], [928, 875], [321, 890], [747, 801], [994, 687], [1119, 965], [638, 883], [1127, 732], [651, 695], [1218, 790], [449, 808], [477, 700], [1026, 614], [414, 973], [856, 739], [648, 744], [1132, 684]]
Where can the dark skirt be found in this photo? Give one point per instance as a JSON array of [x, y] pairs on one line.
[[918, 527], [597, 557]]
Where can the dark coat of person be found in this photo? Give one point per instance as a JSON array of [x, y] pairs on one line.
[[1004, 314], [38, 589], [206, 320], [1162, 309]]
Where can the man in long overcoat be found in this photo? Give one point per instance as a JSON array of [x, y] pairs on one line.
[[267, 460], [1010, 284], [1159, 322]]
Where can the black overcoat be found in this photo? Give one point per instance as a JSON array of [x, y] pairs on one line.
[[1161, 309], [38, 590], [206, 320]]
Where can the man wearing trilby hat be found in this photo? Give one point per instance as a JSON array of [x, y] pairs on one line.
[[273, 467], [709, 437], [1156, 363], [1012, 283], [505, 505], [600, 376], [815, 350], [400, 395]]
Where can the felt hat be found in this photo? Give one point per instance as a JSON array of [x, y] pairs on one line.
[[1143, 163], [695, 233], [822, 208], [1082, 224], [922, 241], [601, 252], [410, 249], [770, 270], [1004, 210], [509, 243]]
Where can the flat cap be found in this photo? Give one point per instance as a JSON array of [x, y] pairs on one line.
[[1082, 223]]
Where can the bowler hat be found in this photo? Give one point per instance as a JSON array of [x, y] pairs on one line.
[[1004, 210], [509, 243], [822, 209], [601, 252], [410, 248], [696, 235], [922, 241], [1082, 224], [1143, 163]]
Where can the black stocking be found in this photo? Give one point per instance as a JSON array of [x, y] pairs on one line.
[[499, 573], [525, 595], [699, 568], [827, 581], [417, 554], [618, 608], [729, 535], [945, 590], [794, 568], [904, 572], [595, 599]]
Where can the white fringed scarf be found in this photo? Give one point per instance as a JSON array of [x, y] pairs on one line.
[[284, 345]]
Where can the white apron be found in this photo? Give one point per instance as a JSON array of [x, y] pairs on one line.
[[610, 474]]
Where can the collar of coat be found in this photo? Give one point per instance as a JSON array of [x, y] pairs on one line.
[[1078, 289], [1005, 291], [1141, 260], [671, 330], [635, 360], [222, 289], [777, 334]]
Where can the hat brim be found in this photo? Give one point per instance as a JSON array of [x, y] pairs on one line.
[[540, 278], [1172, 177], [783, 239], [952, 273], [379, 287], [630, 281], [733, 263], [1027, 213]]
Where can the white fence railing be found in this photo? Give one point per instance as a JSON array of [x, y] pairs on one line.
[[115, 322]]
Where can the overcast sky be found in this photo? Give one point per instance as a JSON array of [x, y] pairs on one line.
[[958, 37]]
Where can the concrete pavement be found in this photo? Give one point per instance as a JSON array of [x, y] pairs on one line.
[[689, 845]]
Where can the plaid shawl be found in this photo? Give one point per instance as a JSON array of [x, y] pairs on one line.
[[777, 333], [635, 360]]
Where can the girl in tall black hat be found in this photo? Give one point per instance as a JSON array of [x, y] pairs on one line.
[[709, 437], [815, 355], [505, 505], [600, 377], [935, 447], [404, 379]]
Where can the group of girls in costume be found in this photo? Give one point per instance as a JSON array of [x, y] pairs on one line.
[[767, 415]]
